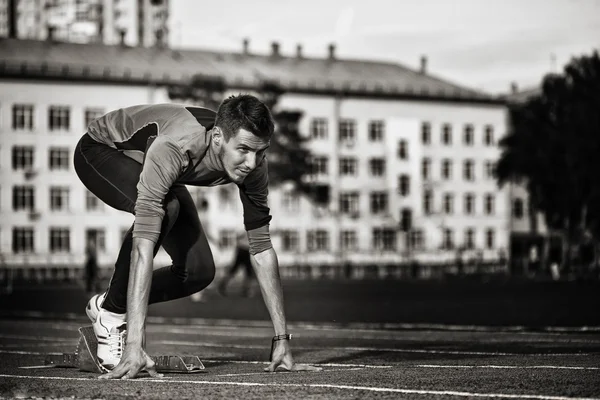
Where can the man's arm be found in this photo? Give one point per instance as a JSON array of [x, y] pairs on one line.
[[138, 290], [266, 267]]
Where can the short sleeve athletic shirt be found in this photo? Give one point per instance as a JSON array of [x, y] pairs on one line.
[[171, 141]]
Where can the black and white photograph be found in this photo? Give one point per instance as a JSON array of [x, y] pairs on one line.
[[390, 199]]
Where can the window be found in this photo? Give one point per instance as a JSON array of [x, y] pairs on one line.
[[384, 239], [348, 240], [23, 198], [406, 219], [318, 240], [379, 202], [489, 204], [290, 240], [59, 198], [447, 134], [22, 157], [98, 237], [417, 239], [58, 118], [22, 240], [448, 203], [92, 203], [468, 138], [404, 185], [446, 169], [227, 238], [377, 166], [425, 168], [348, 166], [490, 238], [403, 150], [319, 165], [22, 117], [225, 199], [376, 131], [347, 131], [90, 115], [468, 170], [488, 135], [60, 240], [426, 133], [517, 208], [428, 202], [58, 158], [290, 201], [318, 128], [349, 202], [469, 238], [469, 204], [490, 169], [448, 239]]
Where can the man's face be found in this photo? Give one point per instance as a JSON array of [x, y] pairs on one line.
[[241, 154]]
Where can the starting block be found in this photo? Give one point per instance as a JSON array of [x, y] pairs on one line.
[[85, 358]]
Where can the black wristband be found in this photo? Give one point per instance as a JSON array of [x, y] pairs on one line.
[[285, 336]]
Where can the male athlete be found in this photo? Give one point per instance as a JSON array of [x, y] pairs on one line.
[[138, 159]]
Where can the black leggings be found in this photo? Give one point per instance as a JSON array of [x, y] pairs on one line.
[[113, 178]]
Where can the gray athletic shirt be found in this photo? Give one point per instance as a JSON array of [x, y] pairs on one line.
[[171, 142]]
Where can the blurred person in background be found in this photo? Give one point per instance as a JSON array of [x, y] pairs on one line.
[[91, 267], [138, 159], [241, 261]]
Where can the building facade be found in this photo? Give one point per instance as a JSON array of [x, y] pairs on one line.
[[408, 170], [132, 22]]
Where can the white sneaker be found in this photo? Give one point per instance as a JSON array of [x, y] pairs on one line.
[[93, 306], [111, 333]]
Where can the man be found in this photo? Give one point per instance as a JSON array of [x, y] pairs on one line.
[[241, 260], [139, 159]]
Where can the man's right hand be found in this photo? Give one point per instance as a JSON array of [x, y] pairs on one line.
[[134, 360]]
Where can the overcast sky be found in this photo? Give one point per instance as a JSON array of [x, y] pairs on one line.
[[483, 44]]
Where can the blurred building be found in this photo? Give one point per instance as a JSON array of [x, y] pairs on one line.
[[405, 160], [133, 22]]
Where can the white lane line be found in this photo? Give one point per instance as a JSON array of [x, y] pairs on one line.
[[362, 366], [327, 386], [47, 338], [503, 366], [371, 335], [374, 349]]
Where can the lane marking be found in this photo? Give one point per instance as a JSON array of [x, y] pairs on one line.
[[374, 349], [325, 386], [503, 366], [316, 325]]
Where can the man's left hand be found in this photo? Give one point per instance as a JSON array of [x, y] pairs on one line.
[[282, 360]]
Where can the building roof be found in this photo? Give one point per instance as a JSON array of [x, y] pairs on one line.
[[522, 96], [165, 66]]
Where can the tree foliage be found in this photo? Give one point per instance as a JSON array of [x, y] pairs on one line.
[[554, 147]]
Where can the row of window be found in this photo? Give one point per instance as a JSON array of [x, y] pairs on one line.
[[348, 166], [59, 239], [384, 239], [22, 158], [381, 239], [376, 128], [469, 203], [23, 198], [59, 117]]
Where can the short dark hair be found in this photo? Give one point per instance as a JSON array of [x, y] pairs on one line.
[[244, 111]]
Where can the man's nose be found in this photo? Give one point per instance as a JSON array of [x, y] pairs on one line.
[[251, 160]]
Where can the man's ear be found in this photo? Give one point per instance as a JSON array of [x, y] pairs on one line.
[[217, 136]]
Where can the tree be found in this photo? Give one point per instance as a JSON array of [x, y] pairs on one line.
[[553, 146]]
